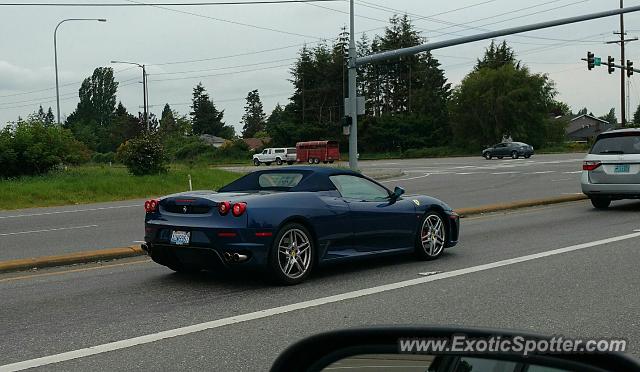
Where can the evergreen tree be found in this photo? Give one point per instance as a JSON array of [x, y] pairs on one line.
[[498, 55], [636, 116], [583, 111], [168, 124], [205, 117], [49, 119], [610, 117], [254, 117]]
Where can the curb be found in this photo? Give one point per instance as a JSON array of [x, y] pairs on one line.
[[135, 250], [464, 212], [69, 259]]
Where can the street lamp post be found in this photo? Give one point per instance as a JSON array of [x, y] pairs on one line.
[[144, 89], [55, 52]]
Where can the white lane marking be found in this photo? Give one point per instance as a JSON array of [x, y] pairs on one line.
[[260, 314], [70, 211], [406, 179], [542, 172], [49, 230], [466, 173], [496, 173], [563, 179], [138, 241], [574, 172]]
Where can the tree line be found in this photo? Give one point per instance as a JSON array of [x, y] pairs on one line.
[[410, 104]]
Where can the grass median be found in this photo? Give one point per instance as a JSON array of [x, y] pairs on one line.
[[95, 183]]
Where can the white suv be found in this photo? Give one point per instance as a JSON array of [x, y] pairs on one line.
[[275, 155], [611, 170]]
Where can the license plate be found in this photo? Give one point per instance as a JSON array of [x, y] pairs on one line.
[[180, 237], [621, 168]]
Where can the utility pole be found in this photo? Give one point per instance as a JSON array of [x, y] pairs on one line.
[[353, 92], [623, 40], [145, 92]]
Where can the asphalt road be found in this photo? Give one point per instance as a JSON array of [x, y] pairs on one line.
[[461, 182], [587, 290]]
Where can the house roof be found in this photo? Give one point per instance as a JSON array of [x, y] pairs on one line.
[[212, 139], [590, 117], [255, 143]]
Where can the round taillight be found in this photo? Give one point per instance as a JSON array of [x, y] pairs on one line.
[[151, 205], [224, 207], [239, 208]]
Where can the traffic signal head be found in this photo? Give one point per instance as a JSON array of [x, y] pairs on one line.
[[591, 60], [629, 68], [610, 61]]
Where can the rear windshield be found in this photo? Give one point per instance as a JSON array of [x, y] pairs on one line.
[[291, 150], [279, 180], [617, 144]]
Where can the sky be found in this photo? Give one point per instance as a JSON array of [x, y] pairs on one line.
[[233, 49]]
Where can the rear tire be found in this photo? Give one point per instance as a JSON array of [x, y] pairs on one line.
[[432, 236], [292, 256], [316, 161], [310, 161], [514, 155], [278, 161], [600, 203], [330, 161], [290, 162]]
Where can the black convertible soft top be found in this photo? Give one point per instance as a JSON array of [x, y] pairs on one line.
[[313, 179]]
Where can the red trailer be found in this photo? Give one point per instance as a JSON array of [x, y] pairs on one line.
[[317, 151]]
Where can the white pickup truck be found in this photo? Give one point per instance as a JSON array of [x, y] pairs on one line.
[[275, 155]]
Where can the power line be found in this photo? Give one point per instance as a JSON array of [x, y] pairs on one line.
[[222, 68], [222, 74], [68, 95], [227, 56], [207, 3], [225, 20], [62, 85], [440, 32]]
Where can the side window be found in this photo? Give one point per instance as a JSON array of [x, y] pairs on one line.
[[265, 152], [352, 187]]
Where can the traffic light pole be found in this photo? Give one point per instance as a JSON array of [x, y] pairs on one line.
[[354, 61], [353, 92]]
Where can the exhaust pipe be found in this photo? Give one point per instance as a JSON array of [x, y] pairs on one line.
[[227, 256], [239, 257]]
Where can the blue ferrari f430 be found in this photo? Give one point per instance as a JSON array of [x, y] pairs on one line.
[[289, 221]]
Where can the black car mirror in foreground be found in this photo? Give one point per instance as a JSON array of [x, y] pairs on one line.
[[397, 193], [440, 349]]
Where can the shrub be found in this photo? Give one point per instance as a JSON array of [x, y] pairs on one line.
[[31, 148], [143, 155]]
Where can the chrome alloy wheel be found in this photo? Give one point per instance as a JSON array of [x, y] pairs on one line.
[[294, 253], [432, 235]]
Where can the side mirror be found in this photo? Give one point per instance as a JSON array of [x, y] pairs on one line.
[[446, 349], [397, 193]]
